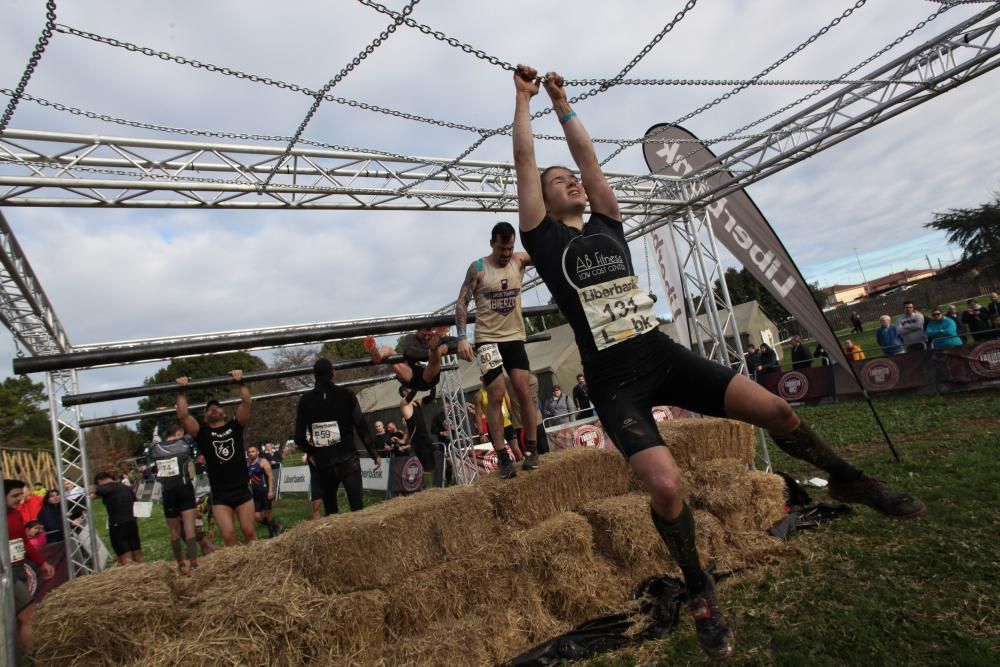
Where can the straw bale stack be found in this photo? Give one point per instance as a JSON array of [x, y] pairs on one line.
[[742, 499], [566, 480], [386, 542], [694, 441], [574, 583], [73, 625]]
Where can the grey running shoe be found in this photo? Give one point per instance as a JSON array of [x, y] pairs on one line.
[[716, 638], [874, 493], [507, 469], [530, 461]]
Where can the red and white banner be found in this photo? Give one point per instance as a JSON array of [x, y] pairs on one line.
[[739, 226]]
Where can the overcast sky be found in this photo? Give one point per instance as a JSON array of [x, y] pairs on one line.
[[127, 274]]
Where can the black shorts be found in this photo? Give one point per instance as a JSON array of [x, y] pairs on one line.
[[664, 373], [512, 353], [231, 497], [125, 537], [261, 503], [417, 382], [315, 488], [177, 499]]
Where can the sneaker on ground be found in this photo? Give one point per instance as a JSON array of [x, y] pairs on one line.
[[183, 569], [874, 493], [192, 568], [506, 467], [371, 347], [530, 461], [716, 638]]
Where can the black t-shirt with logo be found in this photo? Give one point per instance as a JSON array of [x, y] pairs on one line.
[[592, 279], [225, 457]]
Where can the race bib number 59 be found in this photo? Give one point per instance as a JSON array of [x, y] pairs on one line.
[[617, 310], [325, 434], [488, 357]]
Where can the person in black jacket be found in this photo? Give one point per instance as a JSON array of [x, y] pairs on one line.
[[801, 357], [326, 422]]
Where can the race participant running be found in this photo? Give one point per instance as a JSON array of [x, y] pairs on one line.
[[262, 489], [420, 369], [327, 419], [495, 283], [25, 562], [220, 442], [173, 459], [630, 365]]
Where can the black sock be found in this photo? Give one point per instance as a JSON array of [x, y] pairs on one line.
[[504, 457], [804, 443], [531, 446], [678, 535], [176, 546], [192, 549]]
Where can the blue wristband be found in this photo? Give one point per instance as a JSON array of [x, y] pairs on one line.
[[461, 335], [568, 117]]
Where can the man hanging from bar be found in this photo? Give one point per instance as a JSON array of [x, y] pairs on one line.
[[422, 352], [220, 441], [631, 366]]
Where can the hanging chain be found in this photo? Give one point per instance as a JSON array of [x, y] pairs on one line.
[[368, 50], [36, 56]]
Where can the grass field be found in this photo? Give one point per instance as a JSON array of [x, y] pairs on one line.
[[865, 590], [868, 590]]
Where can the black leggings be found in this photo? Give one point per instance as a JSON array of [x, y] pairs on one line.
[[330, 478]]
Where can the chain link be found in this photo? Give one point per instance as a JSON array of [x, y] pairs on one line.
[[319, 96], [36, 56]]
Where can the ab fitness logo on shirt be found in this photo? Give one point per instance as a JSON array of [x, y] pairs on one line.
[[616, 309]]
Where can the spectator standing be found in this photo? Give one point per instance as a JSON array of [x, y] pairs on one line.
[[582, 398], [123, 529], [993, 307], [974, 320], [272, 454], [768, 359], [380, 437], [753, 360], [856, 323], [941, 331], [25, 563], [557, 407], [51, 517], [821, 354], [888, 337], [910, 326], [801, 357], [854, 351]]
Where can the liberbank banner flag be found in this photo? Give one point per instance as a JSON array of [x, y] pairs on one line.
[[740, 226]]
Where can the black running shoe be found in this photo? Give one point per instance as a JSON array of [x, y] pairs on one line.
[[874, 493], [506, 468], [716, 638], [530, 461]]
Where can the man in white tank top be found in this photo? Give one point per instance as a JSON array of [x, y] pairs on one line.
[[495, 283]]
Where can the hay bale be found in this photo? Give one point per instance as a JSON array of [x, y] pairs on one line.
[[384, 543], [483, 578], [485, 637], [72, 625], [283, 621], [575, 585], [694, 441], [564, 481], [743, 499]]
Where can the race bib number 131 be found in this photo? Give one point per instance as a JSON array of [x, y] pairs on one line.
[[617, 310]]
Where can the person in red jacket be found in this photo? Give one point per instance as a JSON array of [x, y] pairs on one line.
[[24, 558]]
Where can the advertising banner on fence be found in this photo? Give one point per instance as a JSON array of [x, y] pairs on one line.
[[896, 373], [802, 386], [295, 479], [740, 226], [975, 366]]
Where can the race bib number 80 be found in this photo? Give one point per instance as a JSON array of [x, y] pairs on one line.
[[617, 310], [488, 357], [325, 434]]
